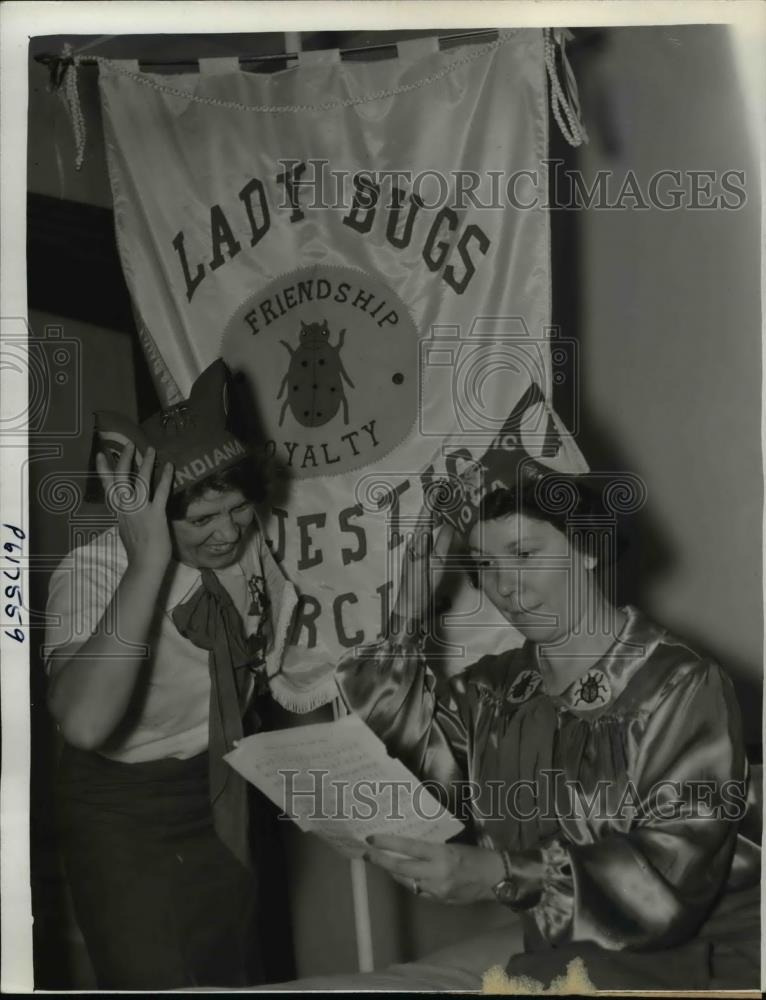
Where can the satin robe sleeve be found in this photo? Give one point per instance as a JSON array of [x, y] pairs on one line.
[[652, 884], [425, 723]]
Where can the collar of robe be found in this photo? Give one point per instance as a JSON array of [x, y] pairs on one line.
[[601, 683]]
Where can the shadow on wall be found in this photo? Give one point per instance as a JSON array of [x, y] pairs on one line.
[[647, 552], [665, 305]]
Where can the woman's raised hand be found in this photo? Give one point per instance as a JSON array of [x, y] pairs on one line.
[[142, 519], [422, 571]]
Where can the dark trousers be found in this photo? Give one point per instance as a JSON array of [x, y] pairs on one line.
[[160, 901]]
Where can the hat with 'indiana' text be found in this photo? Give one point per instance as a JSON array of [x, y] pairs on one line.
[[194, 435]]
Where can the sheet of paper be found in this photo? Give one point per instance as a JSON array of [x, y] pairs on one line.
[[335, 779]]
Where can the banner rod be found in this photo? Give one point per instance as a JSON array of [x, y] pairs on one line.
[[46, 58], [359, 892]]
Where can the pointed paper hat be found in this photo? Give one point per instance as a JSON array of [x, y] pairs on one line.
[[193, 435], [531, 444]]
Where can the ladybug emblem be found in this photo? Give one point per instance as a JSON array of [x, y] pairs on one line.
[[314, 378], [524, 686], [592, 691]]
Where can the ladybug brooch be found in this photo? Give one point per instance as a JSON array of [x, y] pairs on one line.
[[591, 691], [314, 378], [524, 686]]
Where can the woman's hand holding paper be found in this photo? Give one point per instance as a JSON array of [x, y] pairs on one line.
[[450, 873]]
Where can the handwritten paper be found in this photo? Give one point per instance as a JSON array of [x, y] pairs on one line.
[[336, 779]]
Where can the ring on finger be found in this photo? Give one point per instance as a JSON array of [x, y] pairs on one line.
[[416, 887]]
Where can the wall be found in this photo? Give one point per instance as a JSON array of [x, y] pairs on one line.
[[670, 330]]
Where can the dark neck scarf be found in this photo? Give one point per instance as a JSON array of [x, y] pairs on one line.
[[210, 620]]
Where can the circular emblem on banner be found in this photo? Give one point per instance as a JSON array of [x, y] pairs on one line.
[[330, 355]]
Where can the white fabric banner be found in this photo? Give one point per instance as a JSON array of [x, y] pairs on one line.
[[367, 245]]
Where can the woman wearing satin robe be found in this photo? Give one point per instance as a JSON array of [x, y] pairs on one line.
[[618, 749], [600, 765]]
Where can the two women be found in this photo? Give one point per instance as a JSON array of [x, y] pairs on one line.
[[608, 781]]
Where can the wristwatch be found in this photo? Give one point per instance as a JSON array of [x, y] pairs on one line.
[[505, 890], [513, 890]]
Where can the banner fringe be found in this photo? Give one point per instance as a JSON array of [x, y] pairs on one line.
[[302, 702]]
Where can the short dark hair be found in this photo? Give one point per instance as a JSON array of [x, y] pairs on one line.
[[246, 476], [570, 505]]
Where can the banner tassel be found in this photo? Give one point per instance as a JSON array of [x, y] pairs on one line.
[[573, 129], [70, 95]]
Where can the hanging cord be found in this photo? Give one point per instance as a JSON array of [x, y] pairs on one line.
[[63, 79], [64, 82], [573, 129]]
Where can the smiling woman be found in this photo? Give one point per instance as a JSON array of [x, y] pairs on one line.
[[210, 522], [162, 630]]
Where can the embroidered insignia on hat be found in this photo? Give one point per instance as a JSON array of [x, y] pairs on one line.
[[524, 686], [593, 690]]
